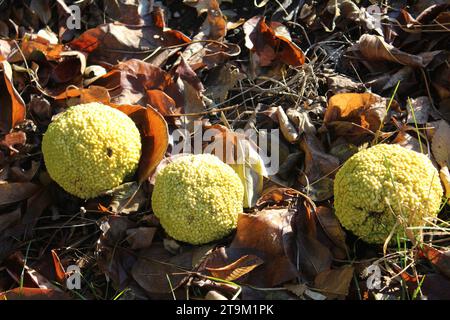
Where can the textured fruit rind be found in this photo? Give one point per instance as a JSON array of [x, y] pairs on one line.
[[91, 148], [197, 198], [378, 185]]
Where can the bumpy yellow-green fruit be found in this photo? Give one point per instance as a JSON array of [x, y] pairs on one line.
[[91, 148], [197, 198], [383, 185]]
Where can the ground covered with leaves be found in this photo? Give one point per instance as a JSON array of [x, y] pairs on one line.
[[333, 76]]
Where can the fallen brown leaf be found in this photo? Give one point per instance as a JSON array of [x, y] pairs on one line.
[[129, 81], [430, 10], [127, 198], [221, 80], [439, 142], [18, 269], [440, 259], [408, 141], [113, 42], [237, 269], [266, 233], [209, 48], [435, 287], [355, 113], [12, 107], [155, 137], [113, 260], [85, 95], [418, 110], [16, 191], [193, 94], [127, 12], [215, 24], [5, 49], [375, 48], [60, 273], [241, 153], [276, 196], [141, 237], [36, 205], [288, 130], [13, 139], [40, 110], [162, 102], [270, 46], [318, 164], [312, 256], [331, 226], [444, 174], [157, 270], [334, 283], [35, 43]]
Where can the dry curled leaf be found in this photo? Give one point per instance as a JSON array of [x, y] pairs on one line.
[[75, 96], [112, 259], [154, 135], [331, 226], [126, 198], [444, 174], [301, 120], [343, 84], [334, 283], [355, 113], [276, 196], [13, 140], [19, 270], [288, 130], [318, 164], [237, 269], [440, 79], [241, 153], [221, 80], [129, 12], [12, 107], [128, 81], [439, 143], [375, 48], [36, 205], [209, 47], [113, 42], [5, 49], [266, 235], [158, 271], [60, 273], [215, 24], [33, 44], [193, 94], [408, 141], [440, 259], [162, 102], [141, 237], [269, 45], [297, 289], [435, 287], [418, 110], [312, 255]]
